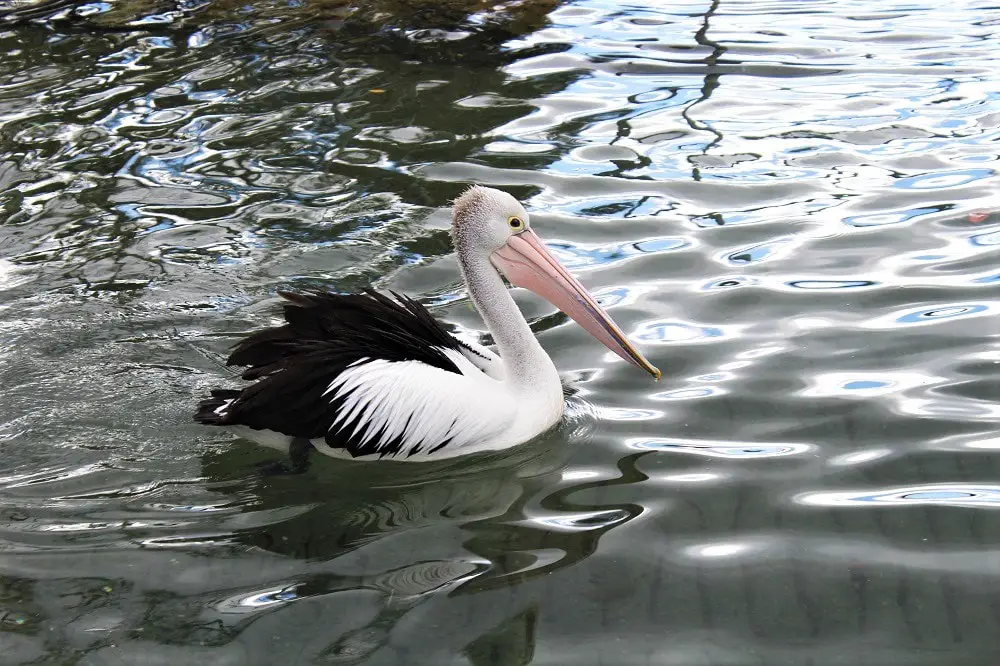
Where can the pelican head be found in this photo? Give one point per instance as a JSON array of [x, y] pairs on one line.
[[490, 224]]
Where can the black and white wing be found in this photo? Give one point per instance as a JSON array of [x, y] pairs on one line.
[[364, 373]]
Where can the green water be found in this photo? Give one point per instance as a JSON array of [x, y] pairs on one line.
[[790, 207]]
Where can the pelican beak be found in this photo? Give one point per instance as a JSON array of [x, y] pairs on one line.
[[526, 262]]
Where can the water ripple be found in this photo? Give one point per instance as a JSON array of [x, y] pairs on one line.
[[583, 521], [575, 256], [692, 393], [719, 449], [943, 312], [831, 284], [668, 332], [887, 218], [958, 495], [942, 180], [862, 385]]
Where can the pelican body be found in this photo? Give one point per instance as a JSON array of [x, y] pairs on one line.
[[373, 377]]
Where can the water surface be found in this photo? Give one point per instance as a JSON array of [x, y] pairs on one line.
[[791, 208]]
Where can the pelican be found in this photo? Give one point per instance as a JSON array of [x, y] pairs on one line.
[[372, 377]]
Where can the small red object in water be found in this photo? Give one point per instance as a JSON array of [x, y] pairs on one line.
[[978, 216]]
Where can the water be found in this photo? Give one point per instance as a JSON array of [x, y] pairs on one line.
[[791, 207]]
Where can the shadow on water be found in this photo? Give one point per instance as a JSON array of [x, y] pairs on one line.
[[380, 540], [331, 513]]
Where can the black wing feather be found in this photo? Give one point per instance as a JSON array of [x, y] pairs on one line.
[[324, 334]]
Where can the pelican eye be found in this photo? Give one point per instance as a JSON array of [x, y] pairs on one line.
[[516, 223]]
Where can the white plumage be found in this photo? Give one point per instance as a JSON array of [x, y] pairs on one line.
[[371, 377], [427, 407]]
